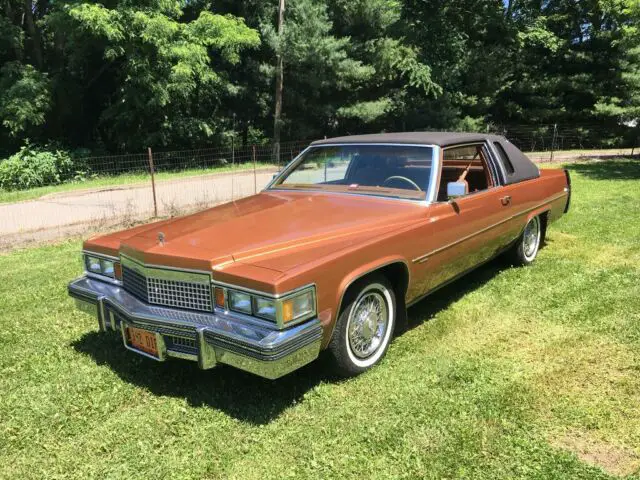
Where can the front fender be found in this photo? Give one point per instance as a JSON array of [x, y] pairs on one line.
[[358, 273]]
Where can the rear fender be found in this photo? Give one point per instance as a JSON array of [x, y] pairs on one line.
[[534, 213]]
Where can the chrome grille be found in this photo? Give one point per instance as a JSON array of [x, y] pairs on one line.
[[158, 287], [181, 344], [194, 296], [135, 283]]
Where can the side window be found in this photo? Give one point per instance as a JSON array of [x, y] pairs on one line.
[[466, 164], [504, 158]]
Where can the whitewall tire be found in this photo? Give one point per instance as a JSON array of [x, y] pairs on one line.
[[365, 326]]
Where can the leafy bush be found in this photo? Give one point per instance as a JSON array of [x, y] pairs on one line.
[[37, 167]]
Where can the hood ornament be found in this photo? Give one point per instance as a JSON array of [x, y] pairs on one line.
[[161, 238]]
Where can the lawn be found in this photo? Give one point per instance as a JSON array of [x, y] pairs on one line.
[[130, 179], [510, 372]]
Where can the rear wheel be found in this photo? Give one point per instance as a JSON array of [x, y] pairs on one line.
[[526, 248], [365, 326]]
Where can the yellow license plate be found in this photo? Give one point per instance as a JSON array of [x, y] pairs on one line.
[[142, 340]]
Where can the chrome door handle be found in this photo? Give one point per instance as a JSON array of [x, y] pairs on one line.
[[505, 200]]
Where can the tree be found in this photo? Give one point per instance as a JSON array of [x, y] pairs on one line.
[[623, 104], [171, 74], [279, 83]]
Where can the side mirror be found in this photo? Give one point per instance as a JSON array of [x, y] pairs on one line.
[[457, 189]]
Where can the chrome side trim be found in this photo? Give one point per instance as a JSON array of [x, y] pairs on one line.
[[425, 257], [457, 277]]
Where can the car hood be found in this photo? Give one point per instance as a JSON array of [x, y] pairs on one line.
[[272, 230]]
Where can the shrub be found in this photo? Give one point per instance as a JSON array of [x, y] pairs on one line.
[[37, 167]]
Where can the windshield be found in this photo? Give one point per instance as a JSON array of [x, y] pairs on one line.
[[384, 170]]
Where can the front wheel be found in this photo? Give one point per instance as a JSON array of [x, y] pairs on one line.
[[365, 326], [526, 248]]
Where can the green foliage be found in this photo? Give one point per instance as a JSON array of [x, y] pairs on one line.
[[366, 111], [624, 104], [37, 167], [167, 68], [24, 97], [122, 75]]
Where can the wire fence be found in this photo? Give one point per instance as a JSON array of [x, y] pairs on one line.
[[121, 190], [552, 138]]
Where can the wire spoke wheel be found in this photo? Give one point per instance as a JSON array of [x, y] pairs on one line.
[[365, 326], [531, 238], [368, 324]]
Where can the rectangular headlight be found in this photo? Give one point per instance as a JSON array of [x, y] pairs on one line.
[[108, 268], [239, 301], [93, 264], [265, 308], [299, 306], [102, 266], [291, 308]]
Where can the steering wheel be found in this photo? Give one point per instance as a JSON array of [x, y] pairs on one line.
[[405, 179]]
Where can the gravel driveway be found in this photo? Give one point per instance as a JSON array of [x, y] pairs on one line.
[[59, 214]]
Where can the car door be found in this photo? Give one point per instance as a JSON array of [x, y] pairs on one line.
[[471, 229]]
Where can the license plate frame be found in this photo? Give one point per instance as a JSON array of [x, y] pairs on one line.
[[144, 342]]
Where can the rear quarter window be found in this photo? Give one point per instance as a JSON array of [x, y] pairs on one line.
[[504, 158]]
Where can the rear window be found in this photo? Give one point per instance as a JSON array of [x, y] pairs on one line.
[[504, 158]]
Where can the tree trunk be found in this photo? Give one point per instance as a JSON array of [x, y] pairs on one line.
[[34, 33], [509, 8], [279, 85], [9, 14]]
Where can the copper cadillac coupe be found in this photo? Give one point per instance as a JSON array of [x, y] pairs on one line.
[[327, 257]]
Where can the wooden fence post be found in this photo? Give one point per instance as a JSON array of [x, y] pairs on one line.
[[553, 140], [233, 166], [153, 183], [255, 180]]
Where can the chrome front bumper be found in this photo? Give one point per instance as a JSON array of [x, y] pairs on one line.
[[206, 338]]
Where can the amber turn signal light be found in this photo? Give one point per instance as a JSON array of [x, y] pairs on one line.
[[287, 311], [219, 296], [117, 270]]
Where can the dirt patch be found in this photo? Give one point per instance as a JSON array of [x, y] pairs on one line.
[[613, 459]]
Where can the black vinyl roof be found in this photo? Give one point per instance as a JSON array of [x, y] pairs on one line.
[[523, 168], [442, 139]]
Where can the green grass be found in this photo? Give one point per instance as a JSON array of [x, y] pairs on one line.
[[509, 372], [119, 181]]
